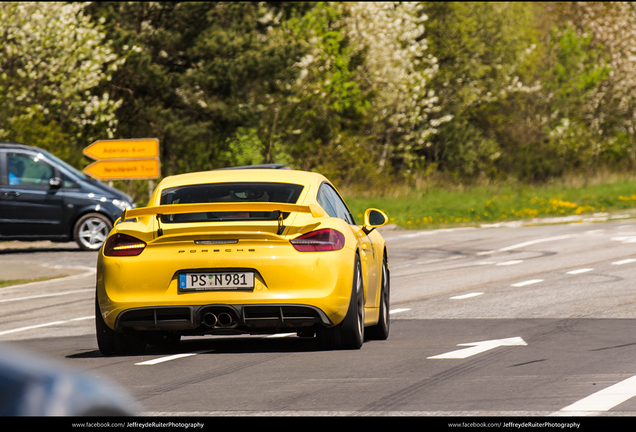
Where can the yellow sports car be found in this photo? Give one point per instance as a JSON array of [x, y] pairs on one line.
[[242, 251]]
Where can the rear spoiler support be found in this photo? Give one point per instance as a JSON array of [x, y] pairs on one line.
[[281, 227]]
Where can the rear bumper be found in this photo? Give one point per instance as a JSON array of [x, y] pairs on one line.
[[222, 319], [283, 278]]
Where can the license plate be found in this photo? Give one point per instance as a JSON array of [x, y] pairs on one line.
[[210, 281]]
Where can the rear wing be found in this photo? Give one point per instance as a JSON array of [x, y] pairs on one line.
[[171, 209]]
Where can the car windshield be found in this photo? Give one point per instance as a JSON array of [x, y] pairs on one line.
[[65, 166], [229, 193]]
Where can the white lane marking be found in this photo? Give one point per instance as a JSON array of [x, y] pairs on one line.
[[179, 356], [507, 263], [528, 282], [394, 311], [533, 242], [54, 323], [170, 358], [528, 243], [480, 347], [579, 271], [625, 261], [465, 296], [46, 295], [606, 399], [625, 239]]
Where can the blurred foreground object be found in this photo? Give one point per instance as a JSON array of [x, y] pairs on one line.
[[31, 386]]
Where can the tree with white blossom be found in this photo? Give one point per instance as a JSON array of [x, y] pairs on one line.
[[398, 70], [52, 57], [611, 110]]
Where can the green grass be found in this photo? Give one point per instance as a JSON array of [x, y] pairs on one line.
[[438, 207], [10, 282]]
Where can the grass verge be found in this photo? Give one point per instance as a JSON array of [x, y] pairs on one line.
[[10, 282], [438, 207]]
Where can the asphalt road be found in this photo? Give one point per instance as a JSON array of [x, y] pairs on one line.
[[525, 321]]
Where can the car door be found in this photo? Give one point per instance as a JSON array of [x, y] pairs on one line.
[[368, 257], [30, 206]]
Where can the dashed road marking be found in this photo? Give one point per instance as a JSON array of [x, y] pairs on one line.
[[507, 263], [625, 261], [394, 311], [170, 358], [47, 295], [524, 244], [579, 271], [54, 323], [465, 296], [625, 239], [528, 282]]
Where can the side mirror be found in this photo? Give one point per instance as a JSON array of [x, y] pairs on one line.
[[374, 218], [55, 182]]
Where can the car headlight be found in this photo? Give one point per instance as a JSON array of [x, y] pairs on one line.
[[121, 204]]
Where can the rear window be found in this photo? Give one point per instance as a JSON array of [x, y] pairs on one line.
[[229, 193]]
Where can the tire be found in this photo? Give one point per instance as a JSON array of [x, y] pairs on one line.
[[380, 331], [91, 230], [111, 342], [349, 334]]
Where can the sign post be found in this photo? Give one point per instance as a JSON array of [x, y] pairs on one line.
[[124, 159]]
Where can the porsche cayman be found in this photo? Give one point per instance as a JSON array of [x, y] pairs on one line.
[[245, 251]]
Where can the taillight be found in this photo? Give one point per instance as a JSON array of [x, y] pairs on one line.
[[319, 241], [123, 245]]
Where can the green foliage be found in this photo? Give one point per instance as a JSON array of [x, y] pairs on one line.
[[38, 131], [482, 50], [577, 70], [245, 149], [366, 92], [579, 67], [325, 103], [206, 74]]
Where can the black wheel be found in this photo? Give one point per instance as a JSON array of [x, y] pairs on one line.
[[349, 334], [111, 342], [380, 331], [91, 230]]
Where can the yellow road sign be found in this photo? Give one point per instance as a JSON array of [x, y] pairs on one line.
[[124, 169], [123, 149]]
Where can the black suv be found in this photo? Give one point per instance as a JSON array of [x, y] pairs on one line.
[[44, 198]]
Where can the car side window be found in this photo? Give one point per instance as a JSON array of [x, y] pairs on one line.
[[28, 170], [339, 208], [324, 202], [68, 182]]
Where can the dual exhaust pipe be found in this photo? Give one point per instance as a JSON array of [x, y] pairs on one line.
[[223, 319]]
